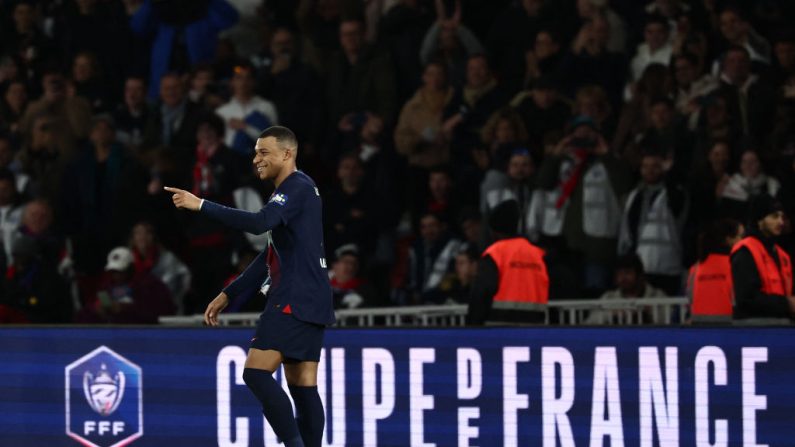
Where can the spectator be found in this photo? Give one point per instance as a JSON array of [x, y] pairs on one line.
[[748, 182], [100, 29], [784, 62], [466, 268], [470, 108], [709, 284], [654, 217], [349, 289], [89, 81], [715, 125], [246, 114], [514, 183], [544, 58], [443, 199], [293, 86], [575, 209], [542, 110], [656, 47], [588, 9], [150, 257], [511, 35], [42, 158], [761, 270], [402, 30], [750, 101], [34, 288], [655, 83], [592, 101], [709, 181], [590, 62], [127, 298], [204, 89], [25, 40], [185, 33], [431, 258], [668, 135], [70, 117], [450, 42], [101, 194], [12, 107], [347, 208], [176, 117], [37, 224], [691, 87], [736, 31], [10, 212], [630, 280], [418, 134], [512, 284], [133, 115], [8, 160], [503, 132], [359, 79]]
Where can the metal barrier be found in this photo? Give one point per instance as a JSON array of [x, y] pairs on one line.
[[664, 311]]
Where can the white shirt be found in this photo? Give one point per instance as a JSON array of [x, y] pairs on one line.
[[644, 57], [10, 219], [236, 109]]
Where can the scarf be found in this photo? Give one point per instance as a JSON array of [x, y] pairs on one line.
[[203, 178], [144, 263], [568, 184], [473, 94]]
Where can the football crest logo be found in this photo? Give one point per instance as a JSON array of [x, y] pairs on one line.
[[279, 199], [103, 392], [104, 399]]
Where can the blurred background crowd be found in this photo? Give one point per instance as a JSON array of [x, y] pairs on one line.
[[624, 129]]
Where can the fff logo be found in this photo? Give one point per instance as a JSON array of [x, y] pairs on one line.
[[104, 405]]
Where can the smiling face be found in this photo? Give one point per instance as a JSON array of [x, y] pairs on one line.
[[270, 158]]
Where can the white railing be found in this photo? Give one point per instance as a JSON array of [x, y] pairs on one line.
[[570, 312]]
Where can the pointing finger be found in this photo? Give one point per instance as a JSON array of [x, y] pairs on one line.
[[170, 189]]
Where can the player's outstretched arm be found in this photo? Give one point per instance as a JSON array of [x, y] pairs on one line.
[[250, 222], [214, 308], [184, 199]]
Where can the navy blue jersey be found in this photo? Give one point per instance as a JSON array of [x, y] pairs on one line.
[[293, 265]]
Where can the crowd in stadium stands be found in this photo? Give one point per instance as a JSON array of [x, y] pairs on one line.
[[622, 128]]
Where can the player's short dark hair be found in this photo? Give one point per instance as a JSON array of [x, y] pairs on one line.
[[284, 136]]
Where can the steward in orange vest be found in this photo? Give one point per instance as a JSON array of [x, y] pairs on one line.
[[512, 284], [710, 280], [761, 270]]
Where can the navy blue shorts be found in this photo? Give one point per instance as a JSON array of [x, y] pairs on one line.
[[297, 340]]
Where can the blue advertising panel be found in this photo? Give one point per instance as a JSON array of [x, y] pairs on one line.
[[162, 387]]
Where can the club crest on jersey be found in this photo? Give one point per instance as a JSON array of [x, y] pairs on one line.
[[279, 199], [104, 399]]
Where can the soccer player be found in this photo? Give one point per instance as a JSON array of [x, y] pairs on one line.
[[292, 271]]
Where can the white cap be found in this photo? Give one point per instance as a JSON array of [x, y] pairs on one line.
[[120, 259]]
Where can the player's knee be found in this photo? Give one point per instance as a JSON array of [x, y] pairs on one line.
[[252, 377]]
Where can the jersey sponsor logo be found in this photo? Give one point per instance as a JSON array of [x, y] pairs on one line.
[[104, 399], [279, 199]]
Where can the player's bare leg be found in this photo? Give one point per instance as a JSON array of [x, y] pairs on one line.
[[258, 375], [302, 379]]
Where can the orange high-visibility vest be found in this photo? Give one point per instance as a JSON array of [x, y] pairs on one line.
[[524, 282], [712, 287], [776, 280]]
